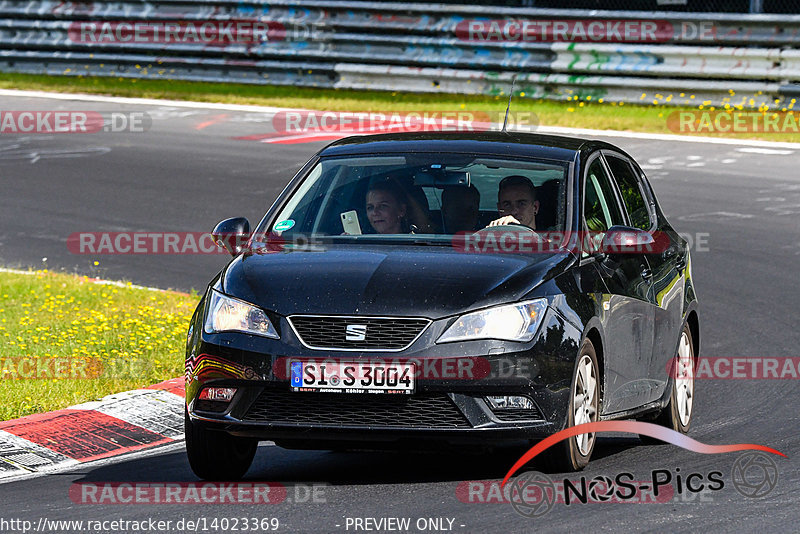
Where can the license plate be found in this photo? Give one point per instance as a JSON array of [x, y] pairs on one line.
[[328, 376]]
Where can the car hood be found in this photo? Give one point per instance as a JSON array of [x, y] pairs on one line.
[[403, 280]]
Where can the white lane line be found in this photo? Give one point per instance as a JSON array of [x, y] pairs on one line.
[[93, 280], [16, 271], [267, 109], [667, 137], [138, 101], [765, 151], [117, 283], [716, 215]]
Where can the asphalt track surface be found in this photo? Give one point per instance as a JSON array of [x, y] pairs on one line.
[[189, 171]]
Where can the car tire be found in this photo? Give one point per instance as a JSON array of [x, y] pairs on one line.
[[217, 455], [677, 414], [573, 454]]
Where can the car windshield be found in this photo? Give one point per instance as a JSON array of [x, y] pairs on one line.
[[413, 197]]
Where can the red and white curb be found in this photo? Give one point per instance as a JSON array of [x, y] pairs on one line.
[[119, 424], [128, 423]]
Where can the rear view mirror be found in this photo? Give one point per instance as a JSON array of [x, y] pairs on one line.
[[440, 178], [232, 234]]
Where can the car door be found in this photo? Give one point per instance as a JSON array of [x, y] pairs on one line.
[[627, 314], [666, 261]]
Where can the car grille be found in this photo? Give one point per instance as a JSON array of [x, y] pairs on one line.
[[358, 410], [357, 333]]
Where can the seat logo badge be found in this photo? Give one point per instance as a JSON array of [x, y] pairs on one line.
[[356, 332]]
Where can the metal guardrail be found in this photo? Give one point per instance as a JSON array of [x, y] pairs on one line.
[[749, 60]]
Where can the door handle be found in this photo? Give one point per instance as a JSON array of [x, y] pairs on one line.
[[647, 274], [675, 252]]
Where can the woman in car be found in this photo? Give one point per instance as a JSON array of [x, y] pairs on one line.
[[387, 207]]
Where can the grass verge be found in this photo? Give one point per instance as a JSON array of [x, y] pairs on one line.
[[66, 340], [575, 114]]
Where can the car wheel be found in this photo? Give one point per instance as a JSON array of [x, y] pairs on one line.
[[573, 454], [677, 415], [217, 455]]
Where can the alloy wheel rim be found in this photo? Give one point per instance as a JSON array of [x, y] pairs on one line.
[[585, 403], [684, 381]]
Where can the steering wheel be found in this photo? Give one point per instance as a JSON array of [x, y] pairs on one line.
[[507, 228]]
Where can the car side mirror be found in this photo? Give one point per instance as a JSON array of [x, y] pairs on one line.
[[627, 240], [232, 234]]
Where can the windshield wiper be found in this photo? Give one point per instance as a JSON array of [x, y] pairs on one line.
[[410, 239]]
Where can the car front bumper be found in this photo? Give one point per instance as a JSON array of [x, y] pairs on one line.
[[443, 407]]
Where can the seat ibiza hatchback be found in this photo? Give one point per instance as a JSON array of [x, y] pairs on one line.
[[451, 289]]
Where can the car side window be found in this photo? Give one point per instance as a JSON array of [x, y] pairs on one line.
[[631, 191], [600, 209]]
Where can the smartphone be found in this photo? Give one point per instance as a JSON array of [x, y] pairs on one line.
[[350, 223]]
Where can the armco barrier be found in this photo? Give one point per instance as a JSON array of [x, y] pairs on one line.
[[677, 61], [744, 60], [557, 86]]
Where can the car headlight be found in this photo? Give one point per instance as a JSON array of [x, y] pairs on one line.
[[226, 314], [511, 322]]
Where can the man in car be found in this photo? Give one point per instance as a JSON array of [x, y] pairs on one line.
[[516, 202], [460, 208]]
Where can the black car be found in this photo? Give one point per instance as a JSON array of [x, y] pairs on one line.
[[390, 298]]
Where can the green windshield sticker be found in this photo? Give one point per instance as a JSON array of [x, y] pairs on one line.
[[283, 225]]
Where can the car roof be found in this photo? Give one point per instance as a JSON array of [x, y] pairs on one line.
[[497, 143]]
